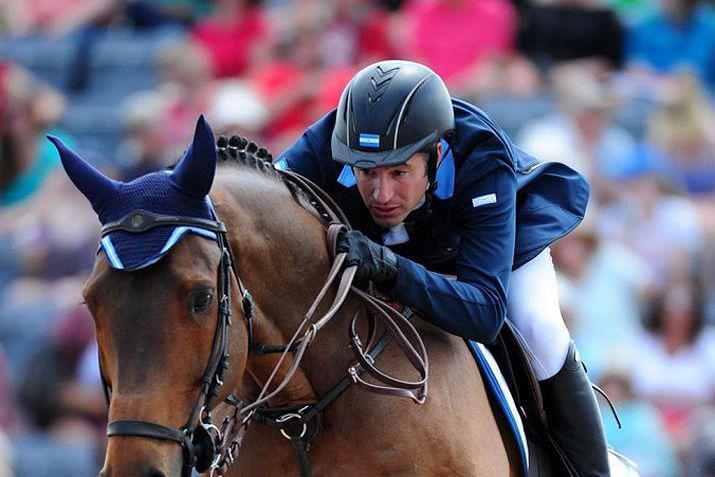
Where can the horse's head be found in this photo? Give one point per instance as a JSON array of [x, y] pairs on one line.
[[160, 293]]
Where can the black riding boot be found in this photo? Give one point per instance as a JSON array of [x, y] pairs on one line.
[[574, 419]]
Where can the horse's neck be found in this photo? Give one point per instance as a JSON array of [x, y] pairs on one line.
[[283, 259]]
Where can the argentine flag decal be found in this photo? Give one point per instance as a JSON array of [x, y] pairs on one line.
[[369, 140]]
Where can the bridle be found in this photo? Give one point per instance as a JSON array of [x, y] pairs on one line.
[[204, 445], [197, 440]]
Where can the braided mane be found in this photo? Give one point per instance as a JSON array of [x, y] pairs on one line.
[[238, 150]]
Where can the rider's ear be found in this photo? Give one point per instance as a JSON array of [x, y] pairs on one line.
[[94, 185], [195, 172]]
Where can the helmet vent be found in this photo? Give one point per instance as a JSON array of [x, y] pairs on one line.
[[404, 105], [379, 81]]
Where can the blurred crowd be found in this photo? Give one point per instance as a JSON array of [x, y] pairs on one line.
[[620, 90]]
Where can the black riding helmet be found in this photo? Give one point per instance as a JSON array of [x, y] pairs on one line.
[[389, 111]]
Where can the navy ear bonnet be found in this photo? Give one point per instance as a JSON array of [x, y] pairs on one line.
[[181, 192], [155, 193]]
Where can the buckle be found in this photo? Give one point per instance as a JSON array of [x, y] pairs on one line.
[[286, 418]]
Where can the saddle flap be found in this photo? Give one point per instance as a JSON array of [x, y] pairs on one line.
[[513, 360]]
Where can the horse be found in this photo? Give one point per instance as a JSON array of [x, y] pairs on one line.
[[178, 332]]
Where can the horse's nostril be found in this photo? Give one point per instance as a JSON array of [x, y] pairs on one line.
[[156, 473]]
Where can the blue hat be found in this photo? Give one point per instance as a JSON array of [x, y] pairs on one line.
[[182, 191]]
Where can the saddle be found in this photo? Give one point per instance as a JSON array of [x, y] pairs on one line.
[[513, 359]]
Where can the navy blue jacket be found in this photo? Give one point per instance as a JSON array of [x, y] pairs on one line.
[[494, 209]]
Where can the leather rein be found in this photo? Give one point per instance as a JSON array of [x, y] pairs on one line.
[[205, 446]]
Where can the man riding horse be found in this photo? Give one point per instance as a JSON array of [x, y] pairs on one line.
[[434, 187]]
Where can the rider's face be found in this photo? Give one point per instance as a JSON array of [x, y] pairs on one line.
[[391, 193]]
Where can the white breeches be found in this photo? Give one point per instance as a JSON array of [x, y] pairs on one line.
[[533, 309]]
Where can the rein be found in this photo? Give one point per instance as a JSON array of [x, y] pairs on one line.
[[299, 423], [205, 447]]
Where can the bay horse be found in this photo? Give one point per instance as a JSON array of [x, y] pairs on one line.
[[180, 381]]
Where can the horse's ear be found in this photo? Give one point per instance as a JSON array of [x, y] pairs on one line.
[[195, 172], [94, 185]]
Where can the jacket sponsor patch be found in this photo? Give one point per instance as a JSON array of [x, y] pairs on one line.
[[484, 200]]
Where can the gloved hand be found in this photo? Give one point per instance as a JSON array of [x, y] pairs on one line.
[[375, 262]]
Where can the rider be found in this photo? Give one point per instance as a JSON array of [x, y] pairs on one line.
[[433, 186]]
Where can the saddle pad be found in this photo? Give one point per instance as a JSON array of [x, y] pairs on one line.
[[496, 385]]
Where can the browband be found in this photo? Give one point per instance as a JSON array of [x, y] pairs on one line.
[[140, 220]]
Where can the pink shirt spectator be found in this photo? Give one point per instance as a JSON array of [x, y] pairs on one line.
[[359, 34], [454, 36], [228, 42], [180, 115], [282, 86], [332, 84]]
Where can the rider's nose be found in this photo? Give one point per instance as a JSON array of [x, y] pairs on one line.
[[382, 192]]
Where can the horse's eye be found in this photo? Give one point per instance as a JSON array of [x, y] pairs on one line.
[[201, 301]]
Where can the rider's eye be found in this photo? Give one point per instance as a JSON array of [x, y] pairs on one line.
[[201, 301]]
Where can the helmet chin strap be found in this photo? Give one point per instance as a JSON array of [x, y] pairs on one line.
[[432, 170]]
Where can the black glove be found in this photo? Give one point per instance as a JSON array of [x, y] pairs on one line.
[[375, 262]]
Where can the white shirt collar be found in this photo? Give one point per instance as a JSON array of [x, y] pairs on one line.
[[398, 234]]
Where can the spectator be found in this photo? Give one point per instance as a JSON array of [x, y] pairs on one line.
[[288, 83], [564, 30], [357, 31], [643, 436], [66, 419], [602, 286], [298, 80], [73, 336], [237, 108], [142, 149], [581, 132], [187, 89], [661, 227], [67, 442], [456, 38], [30, 111], [680, 35], [230, 35], [682, 132], [673, 363]]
